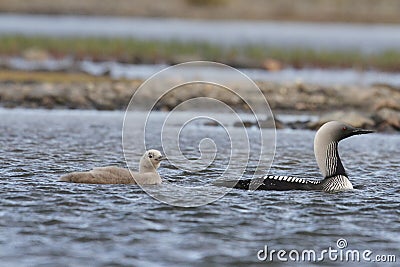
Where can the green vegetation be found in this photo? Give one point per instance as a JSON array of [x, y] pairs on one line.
[[207, 2], [171, 52]]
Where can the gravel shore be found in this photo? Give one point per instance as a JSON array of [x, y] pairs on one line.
[[375, 107]]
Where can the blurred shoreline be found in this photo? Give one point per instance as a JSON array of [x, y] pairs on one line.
[[136, 51], [332, 59], [375, 106], [355, 11]]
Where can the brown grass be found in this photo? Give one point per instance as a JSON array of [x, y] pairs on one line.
[[48, 77], [386, 11]]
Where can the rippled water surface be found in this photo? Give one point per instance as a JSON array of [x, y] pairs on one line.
[[44, 222]]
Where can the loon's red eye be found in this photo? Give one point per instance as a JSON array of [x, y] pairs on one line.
[[344, 128]]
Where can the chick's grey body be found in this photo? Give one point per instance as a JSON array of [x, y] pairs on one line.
[[327, 155], [147, 174]]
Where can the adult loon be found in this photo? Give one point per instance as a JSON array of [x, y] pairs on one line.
[[147, 174], [326, 152]]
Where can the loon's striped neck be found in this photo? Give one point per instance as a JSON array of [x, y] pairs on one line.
[[327, 156], [333, 164]]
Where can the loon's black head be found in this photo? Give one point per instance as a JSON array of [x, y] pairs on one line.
[[334, 131]]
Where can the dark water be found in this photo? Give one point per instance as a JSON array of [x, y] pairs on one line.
[[47, 223]]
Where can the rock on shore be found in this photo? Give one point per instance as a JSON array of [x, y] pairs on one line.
[[100, 96]]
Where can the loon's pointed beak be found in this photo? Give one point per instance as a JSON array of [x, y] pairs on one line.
[[358, 131]]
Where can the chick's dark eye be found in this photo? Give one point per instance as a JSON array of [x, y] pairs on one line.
[[150, 155]]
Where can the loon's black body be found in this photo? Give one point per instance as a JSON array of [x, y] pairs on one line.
[[327, 155], [279, 183], [285, 183]]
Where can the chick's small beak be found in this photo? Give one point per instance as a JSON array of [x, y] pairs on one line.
[[162, 157]]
